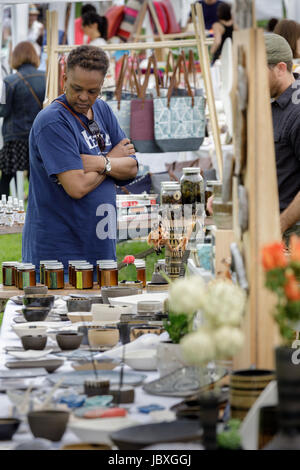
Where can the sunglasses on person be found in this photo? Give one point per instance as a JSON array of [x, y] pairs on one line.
[[95, 131]]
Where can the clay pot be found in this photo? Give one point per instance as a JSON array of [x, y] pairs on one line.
[[103, 337], [37, 343], [35, 313], [39, 300], [68, 341]]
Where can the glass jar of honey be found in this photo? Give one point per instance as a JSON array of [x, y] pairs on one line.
[[108, 273], [70, 269], [42, 268], [73, 272], [84, 276], [140, 265], [26, 275], [8, 273], [54, 276]]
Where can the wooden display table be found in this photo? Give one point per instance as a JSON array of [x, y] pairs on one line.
[[7, 292]]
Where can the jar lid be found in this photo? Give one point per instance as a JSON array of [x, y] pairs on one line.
[[9, 263], [54, 266], [77, 261], [191, 171], [140, 263], [49, 261], [24, 267], [108, 264], [171, 185], [84, 267]]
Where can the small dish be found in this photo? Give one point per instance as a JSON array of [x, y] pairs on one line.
[[98, 430], [30, 354], [49, 364]]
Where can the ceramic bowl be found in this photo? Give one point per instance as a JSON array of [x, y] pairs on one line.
[[35, 313], [34, 342], [119, 291], [80, 304], [68, 341], [26, 329], [39, 290], [76, 317], [48, 424], [108, 312], [142, 359], [39, 300], [8, 427], [98, 430], [103, 337]]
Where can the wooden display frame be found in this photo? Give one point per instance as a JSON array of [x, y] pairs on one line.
[[260, 180]]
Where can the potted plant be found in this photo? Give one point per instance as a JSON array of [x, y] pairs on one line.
[[282, 271]]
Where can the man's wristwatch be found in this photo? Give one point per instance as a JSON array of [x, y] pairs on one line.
[[107, 167]]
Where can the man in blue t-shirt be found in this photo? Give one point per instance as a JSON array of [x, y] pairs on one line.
[[210, 8], [77, 154]]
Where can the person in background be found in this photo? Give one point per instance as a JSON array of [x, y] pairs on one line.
[[222, 29], [284, 92], [35, 28], [291, 217], [272, 24], [290, 30], [79, 33], [95, 27], [25, 92], [210, 8]]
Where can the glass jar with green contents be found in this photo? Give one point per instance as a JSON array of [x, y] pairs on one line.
[[26, 275], [54, 276], [192, 187], [84, 276], [70, 269], [8, 273], [42, 268]]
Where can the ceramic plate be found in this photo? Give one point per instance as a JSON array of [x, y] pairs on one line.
[[49, 364], [185, 382], [30, 354], [98, 430], [138, 437], [17, 373], [18, 384], [78, 378]]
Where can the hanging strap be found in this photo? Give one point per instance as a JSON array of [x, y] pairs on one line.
[[180, 62], [31, 90], [75, 115]]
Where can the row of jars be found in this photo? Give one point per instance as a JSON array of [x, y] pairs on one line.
[[81, 274]]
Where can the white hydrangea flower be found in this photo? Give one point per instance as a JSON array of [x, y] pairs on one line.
[[228, 341], [198, 347], [186, 295], [223, 304]]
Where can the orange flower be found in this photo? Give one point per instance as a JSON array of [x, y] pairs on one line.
[[291, 287], [273, 256], [295, 248]]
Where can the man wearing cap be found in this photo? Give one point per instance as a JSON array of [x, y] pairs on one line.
[[286, 124], [35, 28]]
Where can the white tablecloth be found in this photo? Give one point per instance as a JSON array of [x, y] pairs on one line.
[[9, 338]]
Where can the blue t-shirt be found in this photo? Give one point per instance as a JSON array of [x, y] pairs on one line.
[[210, 13], [58, 226]]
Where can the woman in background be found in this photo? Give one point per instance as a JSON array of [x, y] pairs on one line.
[[222, 29], [290, 30], [25, 92], [95, 27]]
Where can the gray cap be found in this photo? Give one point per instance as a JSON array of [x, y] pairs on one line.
[[278, 49]]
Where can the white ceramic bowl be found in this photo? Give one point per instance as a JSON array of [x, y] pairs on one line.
[[105, 312], [98, 430], [142, 359], [24, 329], [76, 317]]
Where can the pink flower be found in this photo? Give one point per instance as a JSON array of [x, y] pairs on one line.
[[129, 259]]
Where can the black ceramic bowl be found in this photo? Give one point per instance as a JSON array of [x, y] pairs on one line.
[[34, 342], [39, 300], [36, 290], [79, 304], [8, 427], [68, 341], [35, 313], [48, 424]]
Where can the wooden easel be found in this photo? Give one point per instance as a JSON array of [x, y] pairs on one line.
[[260, 179], [140, 21]]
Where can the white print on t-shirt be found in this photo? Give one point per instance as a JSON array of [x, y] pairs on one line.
[[92, 141]]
